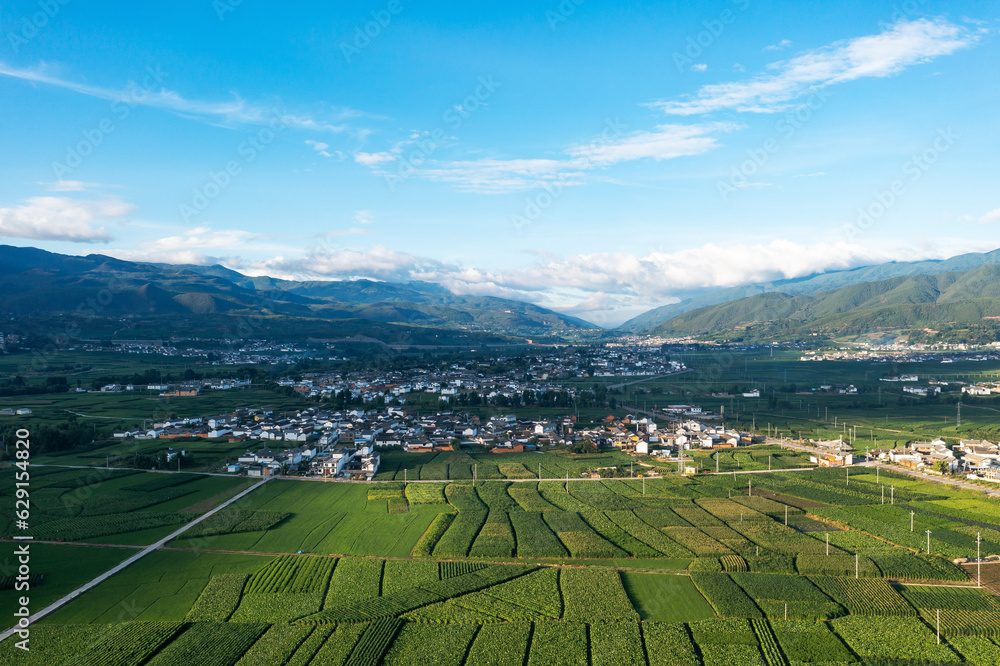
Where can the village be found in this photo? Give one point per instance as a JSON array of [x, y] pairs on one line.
[[349, 443]]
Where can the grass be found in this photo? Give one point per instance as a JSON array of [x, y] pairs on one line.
[[60, 579], [163, 586], [666, 597]]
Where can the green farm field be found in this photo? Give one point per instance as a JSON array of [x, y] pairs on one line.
[[792, 405], [666, 598], [696, 570]]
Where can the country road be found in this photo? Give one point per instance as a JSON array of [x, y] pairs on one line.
[[111, 572]]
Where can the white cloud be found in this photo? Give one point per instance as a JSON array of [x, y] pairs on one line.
[[614, 286], [343, 263], [62, 219], [992, 216], [192, 246], [810, 175], [69, 186], [496, 176], [364, 217], [902, 45], [374, 159], [150, 93], [500, 176], [701, 67], [353, 231], [605, 288], [667, 142], [322, 148], [780, 46]]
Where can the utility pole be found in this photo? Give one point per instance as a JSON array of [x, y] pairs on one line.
[[643, 485], [928, 542], [828, 544], [892, 495], [979, 565], [786, 515], [475, 468], [911, 521], [539, 471]]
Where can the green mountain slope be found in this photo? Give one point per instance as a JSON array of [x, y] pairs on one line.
[[38, 283], [813, 284], [919, 301]]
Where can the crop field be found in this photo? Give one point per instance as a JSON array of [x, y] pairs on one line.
[[124, 506], [665, 597], [674, 571]]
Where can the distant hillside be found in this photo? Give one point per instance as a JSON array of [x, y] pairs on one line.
[[913, 302], [38, 283], [812, 284]]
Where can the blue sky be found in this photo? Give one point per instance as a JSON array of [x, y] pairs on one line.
[[586, 156]]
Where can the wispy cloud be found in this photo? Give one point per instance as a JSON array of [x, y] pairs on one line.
[[150, 93], [364, 217], [499, 176], [70, 186], [780, 46], [201, 246], [992, 216], [323, 148], [889, 52], [62, 219]]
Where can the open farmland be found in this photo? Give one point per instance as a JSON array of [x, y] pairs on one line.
[[679, 570]]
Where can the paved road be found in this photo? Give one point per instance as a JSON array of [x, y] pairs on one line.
[[958, 483], [647, 379], [111, 572], [135, 469]]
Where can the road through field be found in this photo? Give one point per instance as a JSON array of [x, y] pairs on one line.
[[111, 572], [958, 483]]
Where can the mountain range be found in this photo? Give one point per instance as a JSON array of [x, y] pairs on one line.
[[960, 298], [812, 284], [963, 290], [34, 282]]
